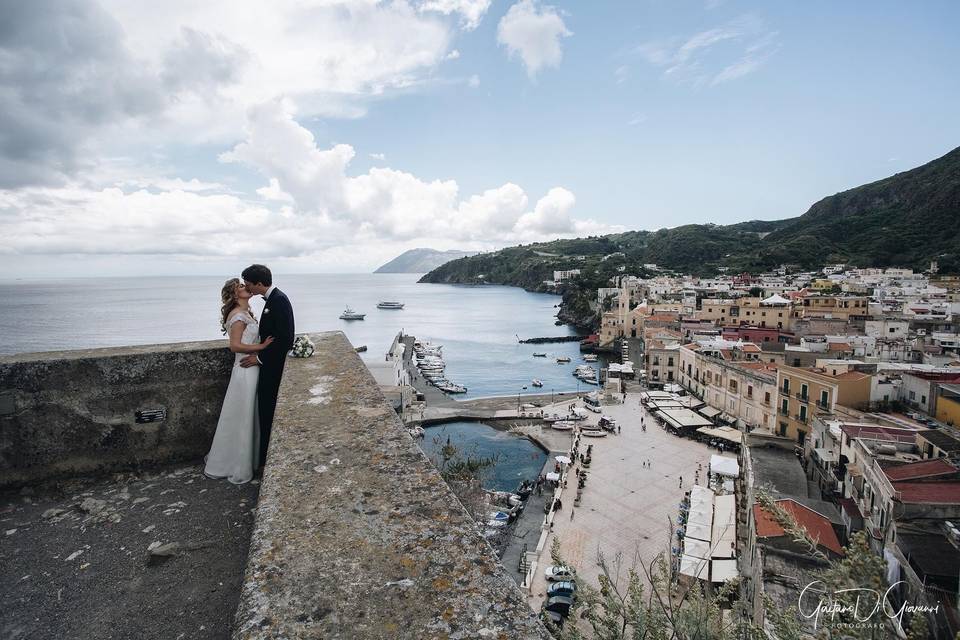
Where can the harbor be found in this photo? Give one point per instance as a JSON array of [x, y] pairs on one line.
[[614, 479]]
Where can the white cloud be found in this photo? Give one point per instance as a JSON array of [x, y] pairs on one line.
[[714, 56], [378, 156], [533, 32], [640, 118], [473, 81], [621, 73], [134, 75], [471, 11]]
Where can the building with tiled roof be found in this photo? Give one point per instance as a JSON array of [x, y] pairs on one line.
[[817, 526]]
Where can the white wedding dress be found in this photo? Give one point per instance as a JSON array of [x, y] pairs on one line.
[[236, 444]]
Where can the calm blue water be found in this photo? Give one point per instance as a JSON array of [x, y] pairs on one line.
[[477, 325], [516, 458]]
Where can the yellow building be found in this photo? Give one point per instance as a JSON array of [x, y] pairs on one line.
[[832, 306], [802, 391], [948, 403]]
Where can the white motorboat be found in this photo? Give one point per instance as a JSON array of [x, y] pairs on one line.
[[563, 359], [562, 425], [590, 357], [350, 314], [389, 305], [593, 433], [536, 382]]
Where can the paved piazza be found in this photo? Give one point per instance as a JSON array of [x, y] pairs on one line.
[[625, 506]]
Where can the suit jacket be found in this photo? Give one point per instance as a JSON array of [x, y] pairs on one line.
[[277, 321]]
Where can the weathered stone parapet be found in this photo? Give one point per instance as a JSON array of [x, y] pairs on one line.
[[357, 535], [75, 412]]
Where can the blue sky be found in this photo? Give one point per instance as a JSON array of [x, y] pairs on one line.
[[330, 136]]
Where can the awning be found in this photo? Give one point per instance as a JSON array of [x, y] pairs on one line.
[[723, 538], [682, 418], [709, 412], [726, 417], [696, 548], [725, 433], [553, 476], [724, 466], [698, 531], [825, 455], [723, 570], [694, 567]]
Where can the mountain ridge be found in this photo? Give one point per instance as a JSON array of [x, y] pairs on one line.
[[421, 260]]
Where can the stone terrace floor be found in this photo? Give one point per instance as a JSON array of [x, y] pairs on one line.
[[625, 507], [76, 560]]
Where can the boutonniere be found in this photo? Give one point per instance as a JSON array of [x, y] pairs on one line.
[[266, 311]]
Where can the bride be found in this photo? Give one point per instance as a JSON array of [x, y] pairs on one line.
[[236, 445]]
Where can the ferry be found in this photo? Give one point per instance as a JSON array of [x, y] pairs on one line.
[[389, 305], [350, 314]]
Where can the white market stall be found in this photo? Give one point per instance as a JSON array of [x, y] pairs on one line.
[[724, 466]]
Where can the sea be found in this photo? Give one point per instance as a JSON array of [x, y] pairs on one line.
[[479, 326]]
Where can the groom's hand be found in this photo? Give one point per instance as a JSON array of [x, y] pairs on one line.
[[249, 361]]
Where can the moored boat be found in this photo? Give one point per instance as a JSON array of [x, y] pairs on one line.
[[563, 359], [389, 305], [539, 355], [536, 382], [350, 314]]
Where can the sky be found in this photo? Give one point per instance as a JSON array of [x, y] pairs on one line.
[[145, 138]]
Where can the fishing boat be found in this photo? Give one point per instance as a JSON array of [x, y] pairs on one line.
[[389, 305], [350, 314], [562, 425], [563, 359], [539, 355], [536, 382], [593, 433]]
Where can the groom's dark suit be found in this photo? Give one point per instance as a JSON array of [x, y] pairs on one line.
[[277, 321]]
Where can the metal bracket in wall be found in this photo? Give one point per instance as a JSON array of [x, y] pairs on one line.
[[150, 415]]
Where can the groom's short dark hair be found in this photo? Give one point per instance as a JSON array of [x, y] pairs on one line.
[[258, 274]]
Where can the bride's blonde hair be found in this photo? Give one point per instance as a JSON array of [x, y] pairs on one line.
[[228, 296]]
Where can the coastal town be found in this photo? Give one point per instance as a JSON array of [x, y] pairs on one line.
[[746, 428]]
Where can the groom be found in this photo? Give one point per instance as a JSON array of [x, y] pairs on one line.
[[277, 321]]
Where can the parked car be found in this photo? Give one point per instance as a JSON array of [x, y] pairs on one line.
[[559, 604], [591, 407], [559, 573], [607, 423], [553, 617], [566, 588]]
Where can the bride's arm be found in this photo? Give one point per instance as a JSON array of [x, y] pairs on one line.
[[236, 334]]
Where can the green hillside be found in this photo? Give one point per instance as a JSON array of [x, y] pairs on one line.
[[905, 220]]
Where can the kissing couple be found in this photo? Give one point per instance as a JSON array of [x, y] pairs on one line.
[[240, 444]]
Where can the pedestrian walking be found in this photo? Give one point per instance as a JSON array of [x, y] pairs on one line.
[[618, 429], [571, 513]]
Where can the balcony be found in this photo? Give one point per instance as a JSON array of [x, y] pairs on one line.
[[802, 397], [784, 412], [800, 418], [823, 405]]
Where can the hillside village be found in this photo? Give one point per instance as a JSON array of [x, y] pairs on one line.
[[844, 384]]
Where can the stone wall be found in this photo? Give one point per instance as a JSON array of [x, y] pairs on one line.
[[357, 535], [75, 412]]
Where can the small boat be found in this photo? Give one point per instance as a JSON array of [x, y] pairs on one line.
[[562, 425], [389, 305], [593, 433], [563, 359], [536, 382], [590, 357], [590, 381], [361, 348], [350, 314], [539, 355]]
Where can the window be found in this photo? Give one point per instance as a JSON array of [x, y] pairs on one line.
[[766, 397], [804, 391], [785, 407], [913, 395], [669, 362], [783, 429], [803, 413], [733, 385], [923, 399], [892, 330], [749, 391], [801, 437], [786, 385], [824, 399]]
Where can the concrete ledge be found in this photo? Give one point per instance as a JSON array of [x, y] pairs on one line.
[[70, 413], [357, 535]]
